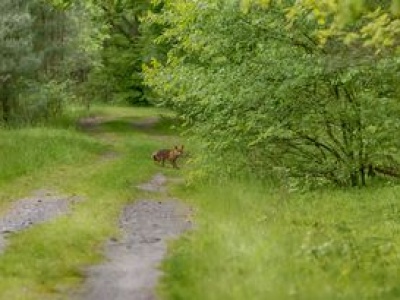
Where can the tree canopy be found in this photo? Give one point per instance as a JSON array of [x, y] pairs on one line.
[[257, 83], [307, 88]]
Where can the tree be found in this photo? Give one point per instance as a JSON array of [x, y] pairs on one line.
[[124, 50], [263, 92], [373, 23], [124, 44], [17, 56]]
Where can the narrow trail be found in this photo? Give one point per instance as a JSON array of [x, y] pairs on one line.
[[131, 270]]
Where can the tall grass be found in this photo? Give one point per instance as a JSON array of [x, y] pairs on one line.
[[24, 151], [256, 242]]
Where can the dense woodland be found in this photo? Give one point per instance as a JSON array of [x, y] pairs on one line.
[[290, 115], [307, 91]]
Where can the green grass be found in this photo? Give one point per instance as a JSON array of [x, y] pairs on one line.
[[121, 112], [165, 126], [250, 241], [24, 151], [255, 242], [47, 260]]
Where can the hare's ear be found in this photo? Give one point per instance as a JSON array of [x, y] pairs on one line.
[[182, 147], [176, 147]]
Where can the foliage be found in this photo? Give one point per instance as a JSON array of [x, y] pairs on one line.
[[97, 46], [17, 56], [371, 23], [259, 86], [41, 47], [125, 46], [42, 102]]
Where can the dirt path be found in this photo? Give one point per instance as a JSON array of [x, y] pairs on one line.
[[131, 270], [42, 206]]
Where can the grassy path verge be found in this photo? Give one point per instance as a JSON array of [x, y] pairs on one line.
[[256, 242], [103, 166]]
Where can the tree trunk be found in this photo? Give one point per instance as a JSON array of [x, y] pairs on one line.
[[5, 102], [362, 175], [354, 178], [6, 107]]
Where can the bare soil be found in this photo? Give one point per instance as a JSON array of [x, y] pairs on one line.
[[132, 267], [131, 270], [146, 123], [42, 206]]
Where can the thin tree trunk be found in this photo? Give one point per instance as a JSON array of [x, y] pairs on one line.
[[5, 101], [362, 175], [6, 107], [354, 178]]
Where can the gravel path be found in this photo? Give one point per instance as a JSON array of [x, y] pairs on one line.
[[40, 207], [131, 270]]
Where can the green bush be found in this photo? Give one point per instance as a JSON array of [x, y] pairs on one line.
[[252, 84]]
